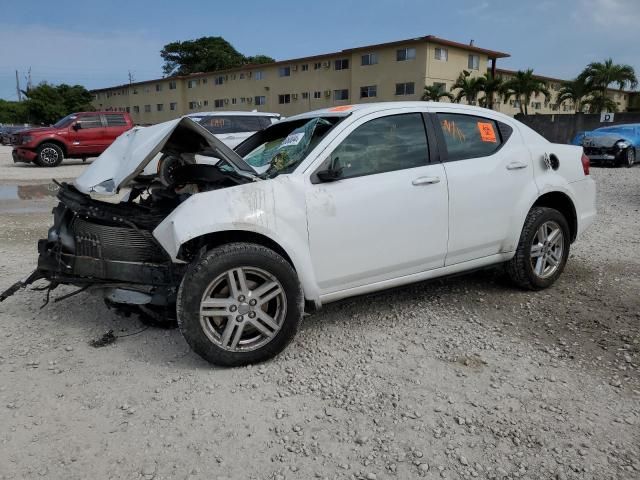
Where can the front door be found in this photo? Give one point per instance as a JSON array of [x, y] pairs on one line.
[[386, 216], [86, 134]]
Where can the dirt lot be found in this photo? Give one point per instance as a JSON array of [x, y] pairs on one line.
[[457, 378]]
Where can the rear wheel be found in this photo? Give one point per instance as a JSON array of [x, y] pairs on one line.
[[542, 251], [49, 155], [238, 304]]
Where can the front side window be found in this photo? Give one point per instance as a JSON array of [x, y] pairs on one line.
[[90, 121], [404, 54], [468, 136], [383, 145]]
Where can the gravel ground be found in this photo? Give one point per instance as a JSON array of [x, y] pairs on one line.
[[456, 378]]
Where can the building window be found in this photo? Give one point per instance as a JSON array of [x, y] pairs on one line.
[[284, 71], [441, 86], [136, 109], [219, 80], [369, 59], [259, 75], [317, 65], [408, 88], [305, 67], [242, 76], [173, 106], [342, 94], [192, 83], [285, 98], [369, 91], [204, 80], [441, 54], [404, 54], [342, 64], [193, 105], [158, 87], [317, 95], [305, 95], [234, 101], [218, 103], [172, 85], [147, 108], [159, 107], [474, 62], [260, 100]]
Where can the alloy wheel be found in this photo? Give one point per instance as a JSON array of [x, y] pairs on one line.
[[547, 248], [243, 309], [49, 155]]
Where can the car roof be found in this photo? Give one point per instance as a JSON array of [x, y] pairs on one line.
[[234, 113], [366, 108]]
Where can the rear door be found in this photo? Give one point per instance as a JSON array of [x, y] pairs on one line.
[[490, 177], [116, 125]]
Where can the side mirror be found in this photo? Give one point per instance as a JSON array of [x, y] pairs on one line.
[[331, 174], [77, 126]]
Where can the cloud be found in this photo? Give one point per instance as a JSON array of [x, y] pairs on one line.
[[474, 9], [610, 14], [87, 58]]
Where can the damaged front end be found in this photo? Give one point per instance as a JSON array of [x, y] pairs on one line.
[[102, 239]]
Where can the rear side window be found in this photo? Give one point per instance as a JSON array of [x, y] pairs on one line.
[[468, 136], [383, 145], [115, 120], [90, 121], [221, 124]]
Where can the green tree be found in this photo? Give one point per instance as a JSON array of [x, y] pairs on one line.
[[574, 91], [468, 87], [433, 93], [600, 103], [205, 54], [523, 86], [601, 75], [12, 112], [491, 86], [46, 103]]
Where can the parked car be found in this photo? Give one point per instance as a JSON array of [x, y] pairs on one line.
[[8, 132], [234, 127], [615, 145], [79, 135], [355, 199]]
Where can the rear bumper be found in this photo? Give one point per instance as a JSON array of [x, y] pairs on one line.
[[23, 155], [584, 192]]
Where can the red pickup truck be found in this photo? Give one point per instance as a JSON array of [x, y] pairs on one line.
[[79, 135]]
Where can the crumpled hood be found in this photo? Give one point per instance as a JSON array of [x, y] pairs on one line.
[[601, 139], [133, 150]]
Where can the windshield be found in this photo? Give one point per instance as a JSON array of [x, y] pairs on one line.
[[283, 146], [224, 124], [65, 121]]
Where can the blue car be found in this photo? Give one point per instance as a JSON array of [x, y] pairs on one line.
[[616, 145]]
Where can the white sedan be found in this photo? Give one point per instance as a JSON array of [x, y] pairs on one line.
[[319, 207]]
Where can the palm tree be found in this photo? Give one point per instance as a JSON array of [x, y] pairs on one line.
[[599, 103], [433, 93], [523, 86], [468, 87], [491, 86], [574, 91], [600, 75]]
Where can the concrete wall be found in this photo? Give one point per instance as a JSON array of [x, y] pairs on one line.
[[562, 128]]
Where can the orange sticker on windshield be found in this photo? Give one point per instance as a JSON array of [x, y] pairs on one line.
[[487, 133], [342, 108]]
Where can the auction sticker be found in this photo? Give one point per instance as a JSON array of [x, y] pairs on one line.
[[487, 133], [292, 139]]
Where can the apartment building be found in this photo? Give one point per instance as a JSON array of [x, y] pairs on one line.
[[540, 104], [384, 72]]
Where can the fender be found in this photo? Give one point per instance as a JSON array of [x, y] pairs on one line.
[[274, 208]]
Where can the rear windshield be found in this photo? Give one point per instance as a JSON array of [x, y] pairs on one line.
[[222, 124]]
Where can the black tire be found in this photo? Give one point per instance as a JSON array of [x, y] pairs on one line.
[[212, 265], [628, 157], [49, 155], [520, 268]]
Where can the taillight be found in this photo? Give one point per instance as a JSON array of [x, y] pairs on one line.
[[585, 164]]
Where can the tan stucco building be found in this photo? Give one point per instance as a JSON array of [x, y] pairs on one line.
[[384, 72]]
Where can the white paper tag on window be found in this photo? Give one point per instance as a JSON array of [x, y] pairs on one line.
[[292, 139], [195, 119]]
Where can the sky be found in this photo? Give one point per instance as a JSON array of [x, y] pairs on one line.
[[97, 43]]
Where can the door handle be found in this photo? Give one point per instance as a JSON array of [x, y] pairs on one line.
[[425, 181], [516, 166]]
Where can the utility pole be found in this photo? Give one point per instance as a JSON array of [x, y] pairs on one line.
[[18, 87], [131, 79], [28, 79]]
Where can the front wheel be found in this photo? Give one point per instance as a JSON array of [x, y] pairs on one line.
[[629, 157], [238, 304], [49, 155], [542, 251]]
